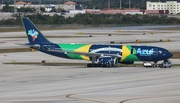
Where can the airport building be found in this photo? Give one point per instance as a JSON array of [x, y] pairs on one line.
[[172, 6], [67, 6]]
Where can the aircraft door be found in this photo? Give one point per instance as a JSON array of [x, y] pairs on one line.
[[133, 51], [48, 47]]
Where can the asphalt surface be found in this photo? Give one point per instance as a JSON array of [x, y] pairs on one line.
[[78, 84], [73, 84]]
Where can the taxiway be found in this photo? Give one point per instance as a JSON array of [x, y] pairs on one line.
[[78, 84]]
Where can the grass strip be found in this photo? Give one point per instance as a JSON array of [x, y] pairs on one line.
[[14, 50]]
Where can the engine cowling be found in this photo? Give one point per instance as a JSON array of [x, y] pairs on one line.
[[108, 61], [127, 62]]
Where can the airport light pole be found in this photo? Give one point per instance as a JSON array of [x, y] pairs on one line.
[[108, 4], [14, 6], [129, 4], [39, 6], [120, 4]]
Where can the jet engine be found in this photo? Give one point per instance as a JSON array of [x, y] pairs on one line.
[[107, 61]]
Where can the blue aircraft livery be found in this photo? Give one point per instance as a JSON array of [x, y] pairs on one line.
[[103, 55]]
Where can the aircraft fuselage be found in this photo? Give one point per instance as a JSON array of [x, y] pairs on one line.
[[127, 52]]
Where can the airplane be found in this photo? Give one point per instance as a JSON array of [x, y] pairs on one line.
[[100, 55]]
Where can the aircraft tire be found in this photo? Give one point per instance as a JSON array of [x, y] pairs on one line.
[[94, 65], [98, 65], [109, 65], [103, 65], [89, 65]]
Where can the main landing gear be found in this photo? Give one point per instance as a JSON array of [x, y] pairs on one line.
[[96, 63], [165, 64], [93, 65], [99, 65]]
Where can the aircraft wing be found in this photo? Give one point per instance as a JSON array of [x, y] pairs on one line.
[[87, 53]]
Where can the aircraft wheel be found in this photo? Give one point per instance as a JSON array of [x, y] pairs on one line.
[[89, 65], [94, 65], [106, 65], [103, 65], [110, 66], [98, 65]]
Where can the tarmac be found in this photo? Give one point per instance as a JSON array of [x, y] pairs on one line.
[[78, 84]]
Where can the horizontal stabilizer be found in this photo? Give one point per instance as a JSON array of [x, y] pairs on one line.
[[29, 45]]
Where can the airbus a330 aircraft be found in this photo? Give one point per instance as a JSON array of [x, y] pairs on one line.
[[100, 55]]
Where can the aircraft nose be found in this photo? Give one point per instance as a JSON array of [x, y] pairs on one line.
[[170, 55]]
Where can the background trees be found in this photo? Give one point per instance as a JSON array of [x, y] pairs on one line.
[[26, 10], [7, 8], [97, 19]]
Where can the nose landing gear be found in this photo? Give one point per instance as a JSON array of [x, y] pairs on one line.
[[166, 64]]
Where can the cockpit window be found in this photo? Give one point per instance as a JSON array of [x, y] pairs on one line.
[[166, 51]]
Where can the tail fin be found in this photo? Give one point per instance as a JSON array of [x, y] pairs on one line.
[[32, 32]]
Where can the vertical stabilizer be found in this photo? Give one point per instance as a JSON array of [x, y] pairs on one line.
[[32, 32]]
